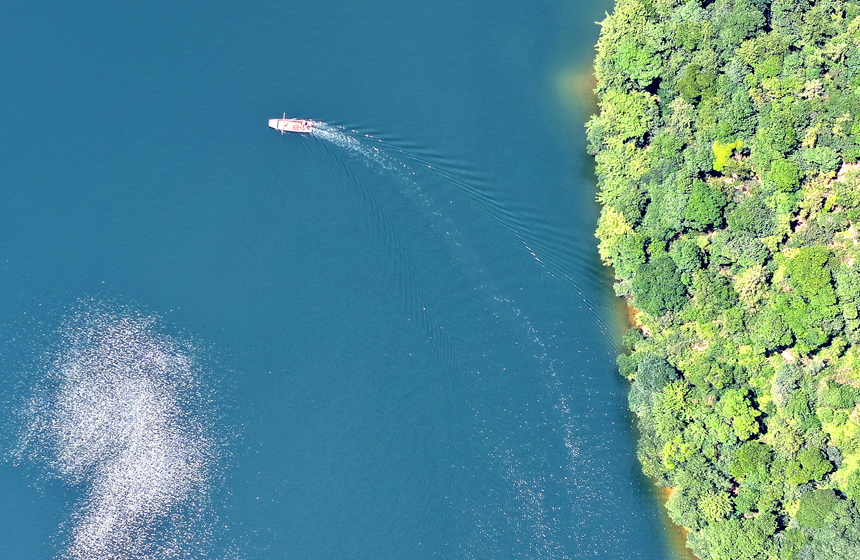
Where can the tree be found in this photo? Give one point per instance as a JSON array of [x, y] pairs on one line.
[[686, 254], [638, 57], [657, 287], [738, 21], [821, 159], [715, 505], [838, 538], [836, 396], [753, 216], [704, 209], [629, 57], [626, 115], [620, 246], [712, 294], [848, 188], [652, 374], [753, 459], [682, 506], [775, 134], [785, 381], [736, 539], [769, 330], [698, 82], [816, 507], [739, 249], [722, 152], [765, 54], [751, 285], [848, 294], [740, 115], [811, 464], [809, 276], [622, 166], [810, 308], [735, 409], [785, 174]]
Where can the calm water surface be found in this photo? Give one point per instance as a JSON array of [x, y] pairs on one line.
[[397, 339]]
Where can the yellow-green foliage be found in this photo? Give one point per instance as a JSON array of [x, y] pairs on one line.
[[722, 152], [715, 505], [676, 451], [610, 227], [843, 428], [846, 478]]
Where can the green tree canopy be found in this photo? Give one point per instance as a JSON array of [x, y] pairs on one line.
[[785, 174], [753, 216], [753, 458], [816, 507], [657, 286], [725, 151], [652, 374], [811, 464], [704, 208]]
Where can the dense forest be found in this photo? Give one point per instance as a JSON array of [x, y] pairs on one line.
[[727, 146]]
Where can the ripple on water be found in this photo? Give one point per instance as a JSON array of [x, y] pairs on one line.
[[121, 413]]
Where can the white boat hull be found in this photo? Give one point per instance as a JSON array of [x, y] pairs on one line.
[[291, 125]]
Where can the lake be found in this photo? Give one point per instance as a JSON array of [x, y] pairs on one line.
[[392, 338]]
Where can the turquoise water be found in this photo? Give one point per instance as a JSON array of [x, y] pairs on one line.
[[390, 339]]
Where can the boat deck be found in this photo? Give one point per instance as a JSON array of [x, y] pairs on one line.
[[291, 125]]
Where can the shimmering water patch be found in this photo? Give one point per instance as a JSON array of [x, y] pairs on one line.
[[119, 411]]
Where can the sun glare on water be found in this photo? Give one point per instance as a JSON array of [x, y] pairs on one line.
[[119, 414]]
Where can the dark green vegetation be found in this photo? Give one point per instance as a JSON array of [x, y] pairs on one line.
[[727, 150]]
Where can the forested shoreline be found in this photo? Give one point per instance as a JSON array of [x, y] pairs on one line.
[[727, 146]]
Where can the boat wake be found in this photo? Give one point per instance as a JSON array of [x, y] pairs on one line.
[[421, 175], [535, 486], [408, 186], [354, 146], [119, 414]]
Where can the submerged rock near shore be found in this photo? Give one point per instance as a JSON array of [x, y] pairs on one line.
[[727, 145]]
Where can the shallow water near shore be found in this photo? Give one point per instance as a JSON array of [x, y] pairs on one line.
[[390, 338]]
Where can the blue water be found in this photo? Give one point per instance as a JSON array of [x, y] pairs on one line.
[[398, 341]]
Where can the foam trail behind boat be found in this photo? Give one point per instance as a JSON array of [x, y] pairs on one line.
[[355, 146]]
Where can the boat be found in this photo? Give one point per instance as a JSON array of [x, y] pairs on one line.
[[291, 125]]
